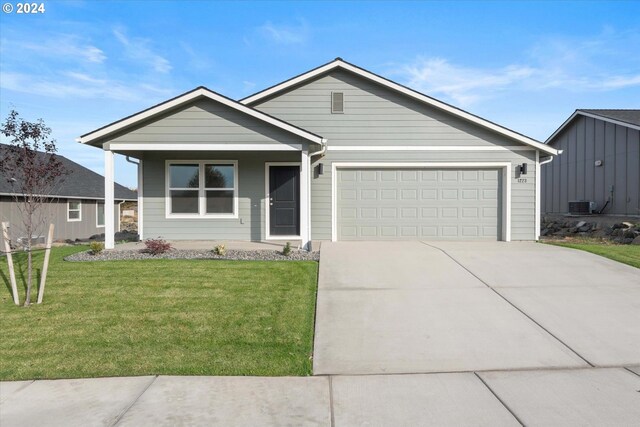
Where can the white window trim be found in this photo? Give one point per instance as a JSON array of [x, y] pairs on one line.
[[201, 191], [105, 214], [506, 168], [332, 110], [267, 227], [79, 219]]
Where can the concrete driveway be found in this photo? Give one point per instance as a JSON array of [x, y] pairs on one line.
[[417, 307]]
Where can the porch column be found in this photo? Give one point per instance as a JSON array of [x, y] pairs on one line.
[[109, 209], [140, 199], [305, 199]]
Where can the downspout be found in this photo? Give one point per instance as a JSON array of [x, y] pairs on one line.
[[320, 152], [540, 162], [140, 195], [545, 160]]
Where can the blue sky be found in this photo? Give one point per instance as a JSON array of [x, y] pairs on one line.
[[525, 65]]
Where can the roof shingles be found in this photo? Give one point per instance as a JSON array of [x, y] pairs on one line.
[[81, 182], [627, 116]]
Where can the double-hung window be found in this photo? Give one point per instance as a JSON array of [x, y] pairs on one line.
[[74, 211], [99, 214], [205, 188]]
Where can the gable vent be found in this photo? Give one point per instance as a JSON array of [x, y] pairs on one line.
[[337, 102]]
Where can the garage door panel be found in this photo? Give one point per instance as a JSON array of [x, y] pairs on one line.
[[408, 204]]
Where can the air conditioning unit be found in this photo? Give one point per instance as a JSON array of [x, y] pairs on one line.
[[582, 207]]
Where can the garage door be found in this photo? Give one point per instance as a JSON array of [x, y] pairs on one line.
[[405, 204]]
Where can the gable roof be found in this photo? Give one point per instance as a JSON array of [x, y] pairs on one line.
[[81, 183], [199, 92], [628, 118], [339, 63]]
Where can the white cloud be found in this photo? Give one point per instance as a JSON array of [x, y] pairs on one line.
[[286, 34], [248, 86], [138, 50], [464, 85], [551, 64], [72, 84], [60, 47]]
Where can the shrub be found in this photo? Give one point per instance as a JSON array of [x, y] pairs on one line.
[[220, 250], [287, 249], [96, 247], [157, 246]]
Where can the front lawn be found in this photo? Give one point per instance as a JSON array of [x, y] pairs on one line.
[[169, 317], [628, 254]]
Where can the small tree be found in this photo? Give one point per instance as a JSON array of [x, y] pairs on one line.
[[30, 164]]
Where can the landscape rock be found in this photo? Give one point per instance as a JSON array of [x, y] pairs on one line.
[[252, 255], [636, 241], [623, 232]]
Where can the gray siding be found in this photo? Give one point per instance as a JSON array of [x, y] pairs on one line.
[[574, 176], [250, 224], [205, 121], [377, 116], [373, 115], [56, 213]]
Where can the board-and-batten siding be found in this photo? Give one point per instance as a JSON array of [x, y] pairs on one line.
[[56, 213], [377, 116], [573, 175]]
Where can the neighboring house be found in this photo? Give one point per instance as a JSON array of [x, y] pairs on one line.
[[600, 162], [336, 153], [77, 209]]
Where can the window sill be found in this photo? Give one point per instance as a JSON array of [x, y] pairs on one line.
[[197, 216]]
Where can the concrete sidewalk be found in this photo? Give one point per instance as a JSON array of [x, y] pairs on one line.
[[580, 397]]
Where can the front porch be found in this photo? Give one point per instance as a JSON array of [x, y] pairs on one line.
[[204, 170], [210, 193]]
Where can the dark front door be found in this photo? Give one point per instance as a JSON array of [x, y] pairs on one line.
[[284, 200]]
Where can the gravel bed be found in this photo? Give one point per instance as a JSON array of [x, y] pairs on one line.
[[255, 255]]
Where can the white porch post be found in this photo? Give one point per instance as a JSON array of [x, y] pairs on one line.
[[305, 199], [140, 199], [109, 209]]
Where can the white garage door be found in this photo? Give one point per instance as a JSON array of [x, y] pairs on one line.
[[405, 204]]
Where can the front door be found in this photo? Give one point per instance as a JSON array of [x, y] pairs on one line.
[[284, 200]]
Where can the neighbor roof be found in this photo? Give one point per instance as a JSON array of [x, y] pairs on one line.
[[339, 63], [81, 183], [199, 92], [628, 118]]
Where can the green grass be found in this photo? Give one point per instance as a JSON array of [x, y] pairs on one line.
[[628, 254], [178, 317]]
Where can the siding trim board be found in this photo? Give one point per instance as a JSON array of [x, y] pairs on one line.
[[427, 148], [506, 185], [159, 146]]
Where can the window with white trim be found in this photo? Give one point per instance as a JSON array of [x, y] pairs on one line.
[[74, 211], [207, 188], [337, 102], [99, 214]]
